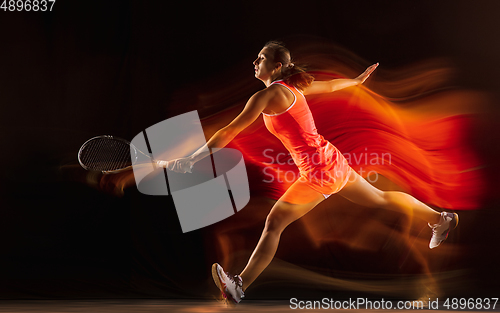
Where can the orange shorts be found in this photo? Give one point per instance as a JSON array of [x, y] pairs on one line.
[[324, 181]]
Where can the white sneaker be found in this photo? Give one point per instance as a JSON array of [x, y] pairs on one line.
[[231, 287], [440, 231]]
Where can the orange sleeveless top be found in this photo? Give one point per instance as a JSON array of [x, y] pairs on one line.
[[321, 164]]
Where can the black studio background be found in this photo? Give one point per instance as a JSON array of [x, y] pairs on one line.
[[112, 67]]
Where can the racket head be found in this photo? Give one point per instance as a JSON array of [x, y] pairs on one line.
[[106, 154]]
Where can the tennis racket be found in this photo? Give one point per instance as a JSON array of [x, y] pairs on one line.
[[109, 154]]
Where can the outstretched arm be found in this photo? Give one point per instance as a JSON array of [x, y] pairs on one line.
[[255, 105], [336, 84]]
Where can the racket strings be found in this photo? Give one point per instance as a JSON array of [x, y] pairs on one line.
[[105, 154], [122, 157], [95, 152]]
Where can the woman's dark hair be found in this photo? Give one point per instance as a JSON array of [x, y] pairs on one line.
[[291, 73]]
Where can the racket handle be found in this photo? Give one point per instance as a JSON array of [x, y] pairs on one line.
[[164, 164]]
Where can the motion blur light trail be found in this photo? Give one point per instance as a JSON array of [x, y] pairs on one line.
[[414, 130], [422, 143], [404, 129], [418, 139]]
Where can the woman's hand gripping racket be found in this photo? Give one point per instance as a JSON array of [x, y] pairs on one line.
[[111, 155]]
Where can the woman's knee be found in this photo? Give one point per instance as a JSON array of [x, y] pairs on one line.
[[396, 198], [383, 199], [376, 198], [361, 192], [275, 221]]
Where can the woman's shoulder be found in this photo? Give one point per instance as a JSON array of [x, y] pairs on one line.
[[274, 97], [268, 92], [279, 92]]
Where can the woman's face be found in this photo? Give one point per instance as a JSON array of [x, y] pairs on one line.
[[264, 65]]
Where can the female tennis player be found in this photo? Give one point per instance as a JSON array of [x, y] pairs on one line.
[[323, 169]]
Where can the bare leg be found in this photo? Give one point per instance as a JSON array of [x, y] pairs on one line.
[[282, 214], [359, 191]]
